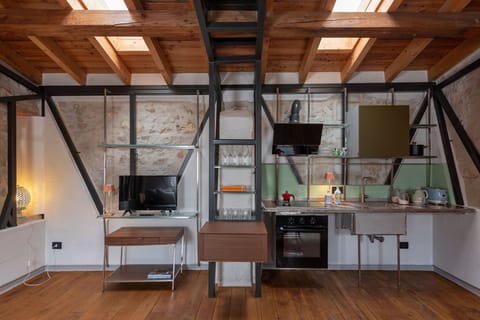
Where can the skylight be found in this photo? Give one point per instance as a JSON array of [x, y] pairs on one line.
[[115, 4], [347, 5], [347, 44], [121, 44]]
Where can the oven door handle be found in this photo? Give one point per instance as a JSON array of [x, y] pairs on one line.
[[304, 229]]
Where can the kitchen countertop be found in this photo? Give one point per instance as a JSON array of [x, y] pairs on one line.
[[367, 207]]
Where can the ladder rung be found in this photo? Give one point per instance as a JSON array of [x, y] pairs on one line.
[[235, 59], [232, 27], [234, 41], [232, 5]]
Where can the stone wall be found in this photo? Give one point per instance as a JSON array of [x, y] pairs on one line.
[[327, 108], [160, 120], [9, 87], [464, 97]]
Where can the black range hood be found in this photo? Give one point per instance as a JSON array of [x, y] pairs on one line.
[[294, 139]]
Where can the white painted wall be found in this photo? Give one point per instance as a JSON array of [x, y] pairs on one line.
[[72, 216], [342, 247], [457, 238], [457, 249], [23, 250]]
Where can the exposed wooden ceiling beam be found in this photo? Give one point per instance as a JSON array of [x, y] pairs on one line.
[[364, 45], [411, 51], [106, 50], [308, 58], [71, 4], [311, 49], [159, 58], [286, 25], [53, 50], [394, 25], [133, 4], [466, 48], [356, 58], [416, 46], [153, 45], [454, 5], [22, 66], [177, 25], [265, 51], [389, 5]]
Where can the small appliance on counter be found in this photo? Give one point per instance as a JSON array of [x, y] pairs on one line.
[[420, 196], [437, 196], [287, 197]]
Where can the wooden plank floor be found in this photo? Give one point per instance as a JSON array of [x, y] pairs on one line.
[[316, 294]]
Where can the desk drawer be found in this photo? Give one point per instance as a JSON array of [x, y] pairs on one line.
[[134, 241], [235, 248]]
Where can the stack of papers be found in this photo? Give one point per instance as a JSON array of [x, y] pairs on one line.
[[159, 274]]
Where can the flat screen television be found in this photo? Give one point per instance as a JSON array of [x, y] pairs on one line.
[[147, 193], [291, 139]]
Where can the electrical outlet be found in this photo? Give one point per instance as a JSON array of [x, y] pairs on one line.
[[403, 244], [56, 245]]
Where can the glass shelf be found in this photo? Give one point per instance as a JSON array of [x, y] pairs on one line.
[[219, 218], [422, 126], [152, 215], [149, 146], [335, 125], [234, 167], [234, 141], [234, 192]]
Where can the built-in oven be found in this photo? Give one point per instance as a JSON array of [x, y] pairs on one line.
[[301, 241]]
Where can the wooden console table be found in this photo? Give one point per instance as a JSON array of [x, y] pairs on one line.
[[230, 241], [144, 236]]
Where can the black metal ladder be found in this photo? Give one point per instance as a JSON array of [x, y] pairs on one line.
[[219, 34]]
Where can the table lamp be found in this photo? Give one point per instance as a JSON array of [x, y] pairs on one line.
[[23, 198], [108, 189], [329, 176]]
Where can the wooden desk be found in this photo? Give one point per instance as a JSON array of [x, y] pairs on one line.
[[223, 241], [143, 236]]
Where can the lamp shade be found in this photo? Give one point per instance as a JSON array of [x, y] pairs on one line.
[[108, 188], [22, 197], [329, 176]]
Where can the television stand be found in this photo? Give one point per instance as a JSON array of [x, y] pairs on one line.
[[144, 236]]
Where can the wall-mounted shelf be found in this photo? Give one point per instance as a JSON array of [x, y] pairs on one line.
[[234, 192], [234, 142], [149, 146], [153, 215], [422, 126], [234, 167]]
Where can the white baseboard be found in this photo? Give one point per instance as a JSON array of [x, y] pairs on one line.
[[99, 267], [20, 280], [12, 284], [458, 281], [384, 267]]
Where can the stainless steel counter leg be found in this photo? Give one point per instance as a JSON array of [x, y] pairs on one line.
[[398, 260], [173, 267], [182, 253], [359, 261], [104, 265]]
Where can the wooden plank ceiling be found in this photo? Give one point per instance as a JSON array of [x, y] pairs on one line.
[[82, 37]]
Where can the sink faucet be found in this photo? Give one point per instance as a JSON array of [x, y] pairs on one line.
[[363, 196]]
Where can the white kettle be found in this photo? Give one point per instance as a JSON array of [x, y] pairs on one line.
[[420, 196]]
